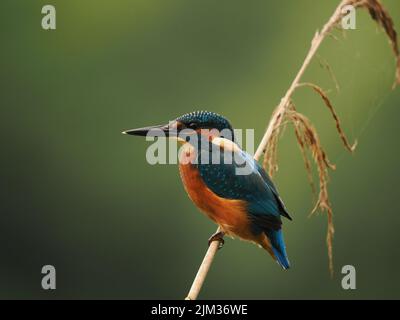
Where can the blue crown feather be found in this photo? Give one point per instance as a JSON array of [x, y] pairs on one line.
[[206, 120]]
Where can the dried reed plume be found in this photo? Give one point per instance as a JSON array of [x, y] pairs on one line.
[[306, 135]]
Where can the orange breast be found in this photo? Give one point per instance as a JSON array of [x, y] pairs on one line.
[[229, 214]]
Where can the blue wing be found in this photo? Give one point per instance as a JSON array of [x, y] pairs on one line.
[[244, 179], [265, 207], [283, 211]]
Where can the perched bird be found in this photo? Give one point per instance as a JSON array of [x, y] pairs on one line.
[[245, 205]]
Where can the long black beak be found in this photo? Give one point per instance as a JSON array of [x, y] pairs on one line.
[[153, 131]]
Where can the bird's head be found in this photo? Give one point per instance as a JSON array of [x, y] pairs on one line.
[[197, 122]]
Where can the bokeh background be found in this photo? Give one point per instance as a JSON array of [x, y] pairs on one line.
[[77, 194]]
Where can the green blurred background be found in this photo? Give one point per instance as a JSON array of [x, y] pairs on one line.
[[77, 194]]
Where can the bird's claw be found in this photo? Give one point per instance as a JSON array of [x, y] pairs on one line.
[[218, 236]]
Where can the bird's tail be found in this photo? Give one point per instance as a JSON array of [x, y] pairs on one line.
[[275, 238]]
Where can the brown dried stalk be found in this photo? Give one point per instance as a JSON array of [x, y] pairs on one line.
[[382, 17], [302, 145], [270, 161], [378, 12], [324, 64], [306, 134], [328, 103]]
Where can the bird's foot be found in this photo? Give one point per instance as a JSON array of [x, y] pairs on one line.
[[218, 236]]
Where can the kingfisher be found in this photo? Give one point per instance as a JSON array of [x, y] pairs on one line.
[[244, 204]]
